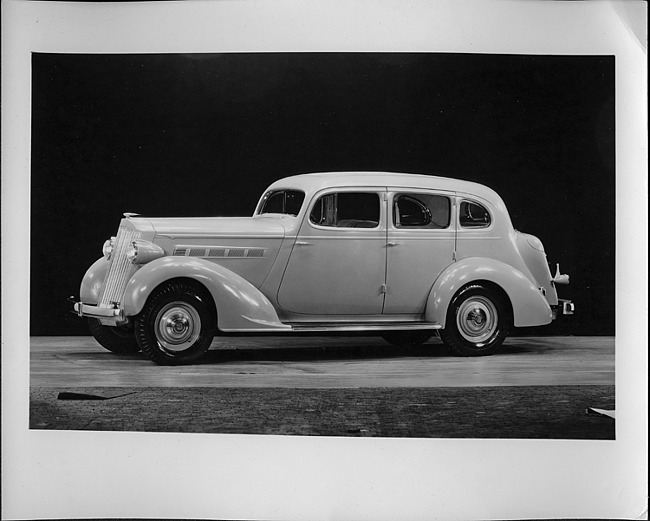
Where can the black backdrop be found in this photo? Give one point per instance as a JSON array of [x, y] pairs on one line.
[[204, 134]]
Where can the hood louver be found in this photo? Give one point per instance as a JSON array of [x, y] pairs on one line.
[[211, 252]]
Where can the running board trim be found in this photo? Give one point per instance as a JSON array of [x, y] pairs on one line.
[[339, 327], [363, 327]]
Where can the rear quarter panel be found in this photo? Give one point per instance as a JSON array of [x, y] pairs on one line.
[[529, 306], [491, 254]]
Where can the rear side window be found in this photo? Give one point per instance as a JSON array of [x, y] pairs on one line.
[[474, 215], [421, 211], [347, 210], [283, 201]]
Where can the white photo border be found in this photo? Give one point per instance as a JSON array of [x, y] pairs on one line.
[[111, 474]]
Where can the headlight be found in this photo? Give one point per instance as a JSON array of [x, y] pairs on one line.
[[107, 249], [141, 252], [132, 252]]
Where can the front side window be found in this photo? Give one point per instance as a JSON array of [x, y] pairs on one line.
[[347, 210], [474, 215], [421, 211], [283, 201]]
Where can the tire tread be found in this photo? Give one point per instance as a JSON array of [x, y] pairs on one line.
[[111, 339], [452, 338], [146, 338]]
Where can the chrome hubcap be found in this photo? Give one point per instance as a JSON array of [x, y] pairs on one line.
[[477, 320], [178, 326]]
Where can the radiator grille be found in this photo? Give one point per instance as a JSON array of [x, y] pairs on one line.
[[120, 270]]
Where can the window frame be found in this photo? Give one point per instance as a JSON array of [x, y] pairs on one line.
[[377, 191], [271, 193], [482, 205], [397, 193]]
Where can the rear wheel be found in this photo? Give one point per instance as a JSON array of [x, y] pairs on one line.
[[117, 339], [176, 325], [477, 322]]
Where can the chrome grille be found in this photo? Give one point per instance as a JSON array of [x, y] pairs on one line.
[[120, 270]]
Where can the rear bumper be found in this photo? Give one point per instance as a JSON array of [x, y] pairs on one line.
[[564, 307]]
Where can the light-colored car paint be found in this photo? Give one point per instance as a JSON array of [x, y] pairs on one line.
[[93, 282], [529, 306], [408, 277], [335, 270], [240, 305], [275, 272]]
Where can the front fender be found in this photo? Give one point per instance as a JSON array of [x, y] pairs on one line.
[[93, 281], [240, 305], [529, 306]]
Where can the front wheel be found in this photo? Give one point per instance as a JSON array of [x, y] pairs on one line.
[[117, 339], [477, 322], [176, 325]]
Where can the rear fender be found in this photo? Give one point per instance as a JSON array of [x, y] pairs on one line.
[[529, 306], [240, 305]]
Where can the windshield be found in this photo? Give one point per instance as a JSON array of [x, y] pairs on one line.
[[282, 201]]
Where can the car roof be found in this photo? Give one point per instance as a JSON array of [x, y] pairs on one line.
[[314, 182]]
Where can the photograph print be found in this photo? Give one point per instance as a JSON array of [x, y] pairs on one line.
[[391, 245]]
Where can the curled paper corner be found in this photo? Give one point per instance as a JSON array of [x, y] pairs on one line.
[[601, 412], [633, 15]]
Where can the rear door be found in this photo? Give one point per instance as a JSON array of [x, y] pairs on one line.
[[420, 245]]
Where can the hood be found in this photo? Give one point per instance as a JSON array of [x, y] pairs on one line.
[[268, 226]]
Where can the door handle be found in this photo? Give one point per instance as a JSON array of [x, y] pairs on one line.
[[390, 244], [303, 243]]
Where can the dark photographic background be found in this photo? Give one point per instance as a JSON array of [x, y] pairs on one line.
[[204, 134]]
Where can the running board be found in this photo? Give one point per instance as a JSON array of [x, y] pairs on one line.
[[356, 327]]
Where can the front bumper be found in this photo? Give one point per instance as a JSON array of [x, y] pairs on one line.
[[107, 316]]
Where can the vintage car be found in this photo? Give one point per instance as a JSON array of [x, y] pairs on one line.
[[403, 256]]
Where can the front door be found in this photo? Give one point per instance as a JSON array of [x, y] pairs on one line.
[[420, 245], [338, 262]]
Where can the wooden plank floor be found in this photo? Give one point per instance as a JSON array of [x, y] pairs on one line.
[[328, 362]]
